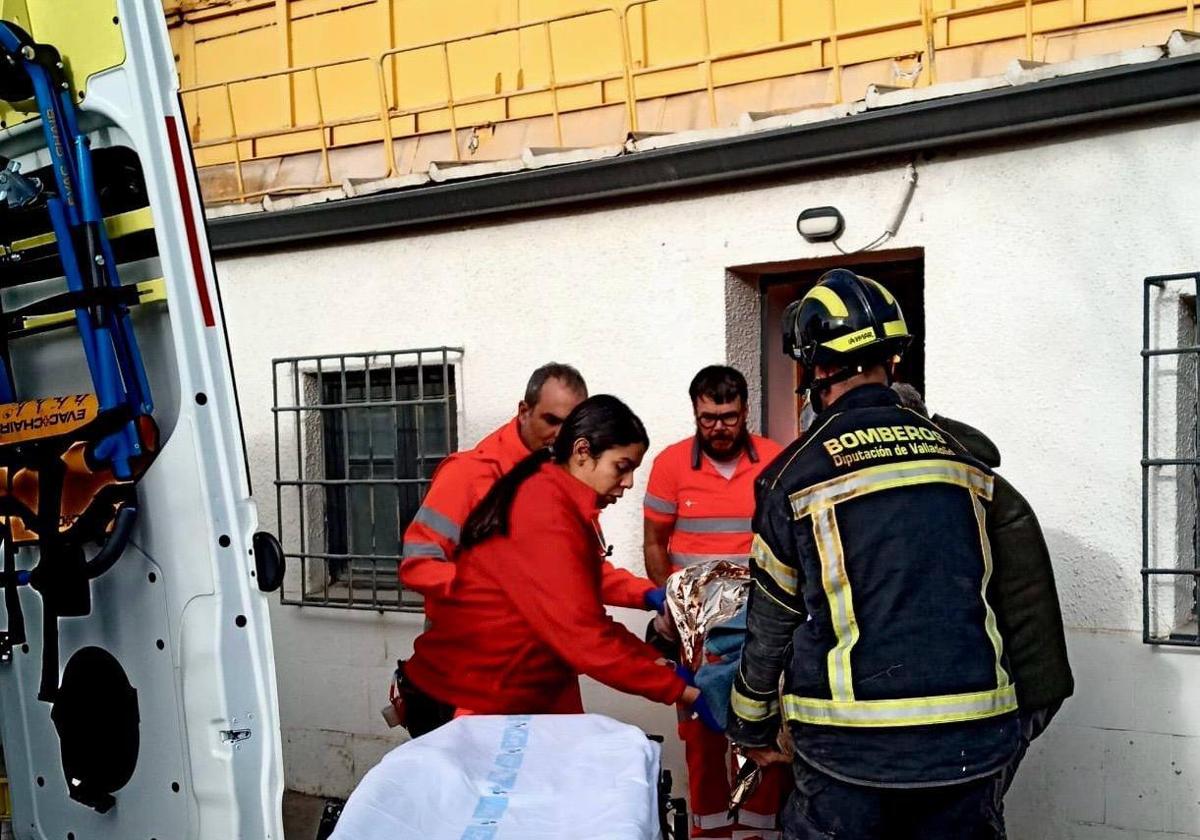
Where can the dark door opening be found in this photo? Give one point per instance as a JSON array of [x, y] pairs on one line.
[[902, 272]]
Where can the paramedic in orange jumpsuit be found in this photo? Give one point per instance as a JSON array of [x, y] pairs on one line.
[[698, 507], [524, 616], [461, 481]]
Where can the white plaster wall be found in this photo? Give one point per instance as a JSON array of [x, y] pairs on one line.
[[1034, 257]]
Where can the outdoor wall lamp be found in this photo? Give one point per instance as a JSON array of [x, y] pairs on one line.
[[820, 224]]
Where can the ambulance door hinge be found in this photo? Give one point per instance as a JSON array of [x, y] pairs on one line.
[[232, 736]]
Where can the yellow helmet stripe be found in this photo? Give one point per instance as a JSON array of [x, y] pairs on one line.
[[829, 299], [879, 286], [892, 328], [851, 341]]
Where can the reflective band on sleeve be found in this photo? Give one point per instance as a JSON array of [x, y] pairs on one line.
[[916, 711], [841, 604], [747, 708], [989, 618], [682, 560], [660, 505], [422, 549], [751, 819], [886, 477], [710, 821], [438, 523], [712, 525], [784, 576]]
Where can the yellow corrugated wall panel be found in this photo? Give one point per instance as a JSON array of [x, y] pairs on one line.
[[863, 14], [257, 104], [1098, 10], [213, 27], [670, 30], [285, 144], [484, 66], [569, 99], [890, 44], [245, 37], [743, 24], [474, 65], [345, 91], [804, 19], [584, 48], [417, 77], [753, 68]]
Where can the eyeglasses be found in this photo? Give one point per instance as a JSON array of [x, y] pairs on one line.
[[727, 419]]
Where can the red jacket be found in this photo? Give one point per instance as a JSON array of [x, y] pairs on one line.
[[525, 616], [459, 483]]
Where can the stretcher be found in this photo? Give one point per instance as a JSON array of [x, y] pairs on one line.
[[517, 777]]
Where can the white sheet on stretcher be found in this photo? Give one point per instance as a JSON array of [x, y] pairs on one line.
[[515, 777]]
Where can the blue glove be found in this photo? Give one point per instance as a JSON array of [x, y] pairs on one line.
[[701, 710], [656, 599], [685, 674]]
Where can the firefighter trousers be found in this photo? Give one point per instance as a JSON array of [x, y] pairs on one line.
[[822, 808]]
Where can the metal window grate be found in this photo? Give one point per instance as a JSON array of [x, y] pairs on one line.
[[357, 438], [1170, 592]]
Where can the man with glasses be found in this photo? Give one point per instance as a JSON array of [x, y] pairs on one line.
[[698, 507]]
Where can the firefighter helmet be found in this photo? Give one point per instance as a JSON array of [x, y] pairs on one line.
[[846, 321]]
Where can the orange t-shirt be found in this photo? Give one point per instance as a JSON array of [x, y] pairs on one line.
[[711, 514]]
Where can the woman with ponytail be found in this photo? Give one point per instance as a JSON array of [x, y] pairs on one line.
[[524, 616]]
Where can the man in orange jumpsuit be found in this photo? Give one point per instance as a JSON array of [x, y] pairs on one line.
[[698, 507], [463, 479]]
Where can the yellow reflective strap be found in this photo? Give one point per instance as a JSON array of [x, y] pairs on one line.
[[775, 599], [829, 299], [879, 287], [850, 341], [841, 604], [913, 711], [747, 708], [888, 476], [784, 576], [989, 620], [149, 291], [117, 226]]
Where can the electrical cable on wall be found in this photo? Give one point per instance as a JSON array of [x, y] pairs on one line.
[[910, 186]]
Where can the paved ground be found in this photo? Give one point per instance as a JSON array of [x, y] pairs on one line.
[[301, 815]]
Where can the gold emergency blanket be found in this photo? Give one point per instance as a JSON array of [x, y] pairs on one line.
[[702, 596]]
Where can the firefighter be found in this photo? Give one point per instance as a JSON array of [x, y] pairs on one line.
[[698, 506], [464, 478], [872, 570]]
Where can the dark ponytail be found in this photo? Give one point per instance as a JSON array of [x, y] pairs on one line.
[[603, 421]]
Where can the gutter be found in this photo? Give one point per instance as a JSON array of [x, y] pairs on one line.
[[1169, 84]]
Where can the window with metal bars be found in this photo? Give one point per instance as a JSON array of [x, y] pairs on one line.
[[357, 438], [1171, 460]]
